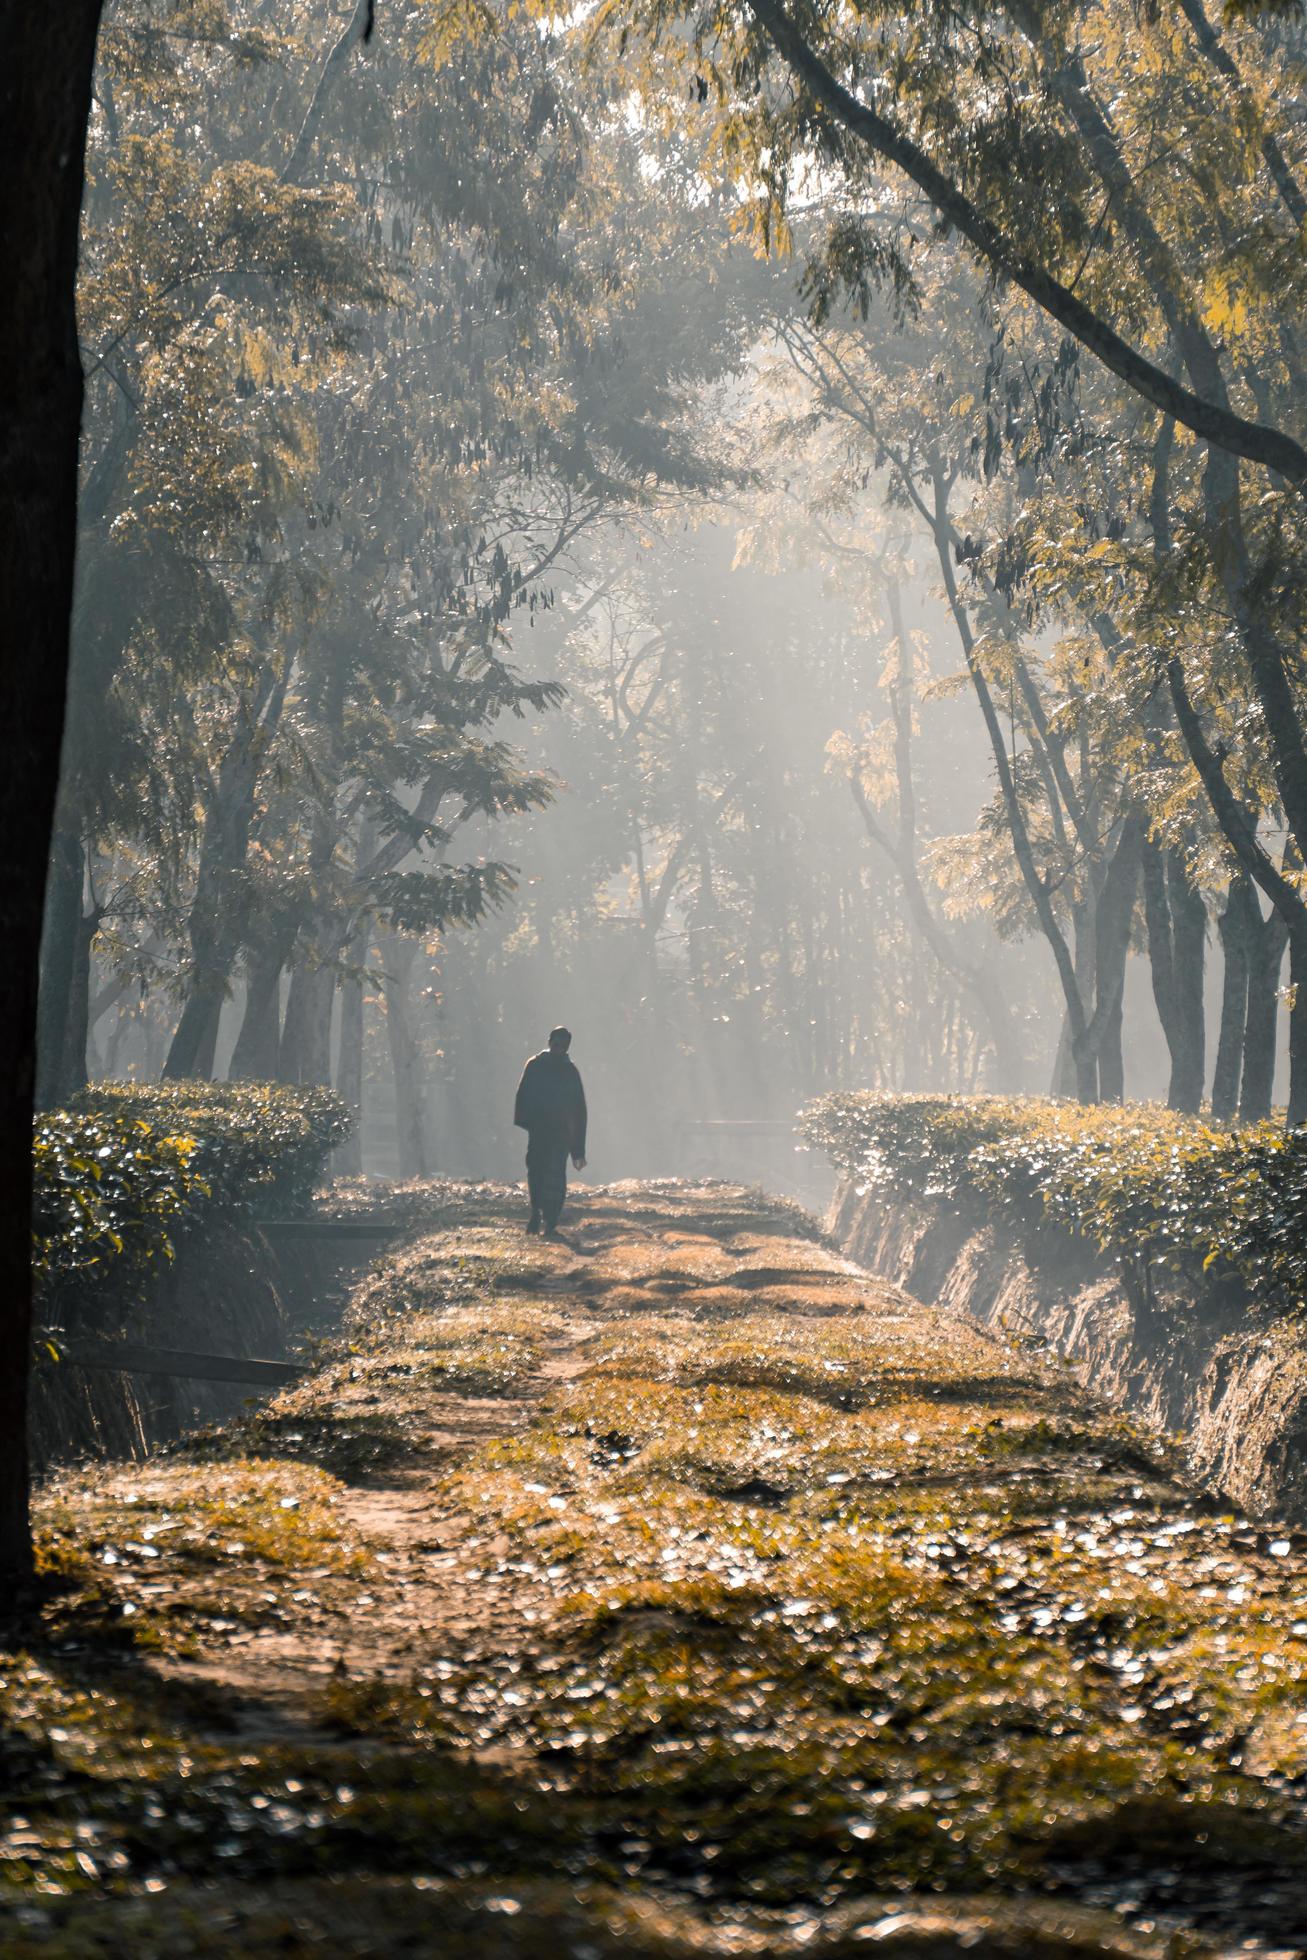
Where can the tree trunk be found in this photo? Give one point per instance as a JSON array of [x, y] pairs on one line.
[[1084, 925], [78, 1029], [1297, 1112], [1083, 1048], [1111, 1059], [1239, 828], [1008, 1068], [59, 944], [122, 1020], [1233, 928], [1063, 1082], [64, 1010], [1177, 945], [306, 1036], [215, 922], [348, 1158], [1269, 938], [1189, 930], [1270, 660], [256, 1056], [45, 98], [194, 1044], [405, 1059], [1114, 914]]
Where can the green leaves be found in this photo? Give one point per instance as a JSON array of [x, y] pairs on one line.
[[117, 1177], [449, 895], [259, 1146], [1144, 1184], [103, 1181]]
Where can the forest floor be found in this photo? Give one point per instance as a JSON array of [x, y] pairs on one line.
[[677, 1590]]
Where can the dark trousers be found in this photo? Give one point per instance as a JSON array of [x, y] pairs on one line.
[[546, 1175]]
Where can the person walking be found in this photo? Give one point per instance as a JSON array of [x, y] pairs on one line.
[[551, 1109]]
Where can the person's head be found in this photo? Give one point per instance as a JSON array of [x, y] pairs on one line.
[[560, 1040]]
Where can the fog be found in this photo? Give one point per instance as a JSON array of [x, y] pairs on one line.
[[510, 594], [704, 692]]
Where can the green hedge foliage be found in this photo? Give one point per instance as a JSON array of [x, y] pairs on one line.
[[122, 1172], [1147, 1186]]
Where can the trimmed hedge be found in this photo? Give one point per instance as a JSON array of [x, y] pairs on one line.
[[1147, 1186], [260, 1146], [129, 1166]]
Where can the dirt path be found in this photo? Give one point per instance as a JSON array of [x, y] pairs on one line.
[[422, 1599], [680, 1590]]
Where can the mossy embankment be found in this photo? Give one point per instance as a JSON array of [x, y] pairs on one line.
[[679, 1590], [1164, 1259]]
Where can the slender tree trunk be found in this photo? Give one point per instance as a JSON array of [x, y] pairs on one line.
[[105, 997], [1084, 1044], [154, 1043], [306, 1035], [1297, 1112], [194, 1044], [1233, 929], [1009, 1063], [59, 944], [1007, 1072], [1084, 955], [1111, 1059], [1177, 946], [1189, 928], [64, 1014], [405, 1059], [1113, 918], [1063, 1082], [77, 1032], [215, 923], [256, 1056], [1270, 660], [349, 1068], [121, 1022], [1269, 939], [45, 99]]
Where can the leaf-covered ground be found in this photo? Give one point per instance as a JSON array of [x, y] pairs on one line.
[[677, 1590]]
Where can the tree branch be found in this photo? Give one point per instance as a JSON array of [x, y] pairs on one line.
[[1272, 448]]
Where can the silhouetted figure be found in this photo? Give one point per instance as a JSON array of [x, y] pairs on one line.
[[551, 1109]]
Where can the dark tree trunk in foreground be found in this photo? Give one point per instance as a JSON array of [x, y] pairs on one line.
[[1233, 927], [46, 60]]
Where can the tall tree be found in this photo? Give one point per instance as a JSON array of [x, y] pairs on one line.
[[45, 97]]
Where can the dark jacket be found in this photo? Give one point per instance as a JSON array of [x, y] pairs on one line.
[[550, 1097]]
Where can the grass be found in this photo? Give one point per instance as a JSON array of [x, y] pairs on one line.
[[768, 1632]]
